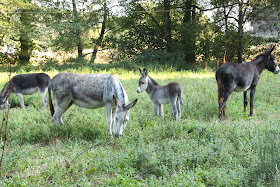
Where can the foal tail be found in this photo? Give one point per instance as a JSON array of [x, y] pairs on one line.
[[180, 97], [50, 100]]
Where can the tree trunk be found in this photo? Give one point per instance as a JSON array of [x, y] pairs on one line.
[[101, 36], [167, 25], [189, 33], [25, 42], [240, 31], [78, 31]]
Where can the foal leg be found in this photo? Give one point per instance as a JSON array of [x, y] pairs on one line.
[[245, 100], [161, 113], [252, 94], [156, 108], [178, 109], [174, 108], [21, 101]]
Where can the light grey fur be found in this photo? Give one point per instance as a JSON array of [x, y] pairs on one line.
[[27, 84], [170, 93], [92, 91]]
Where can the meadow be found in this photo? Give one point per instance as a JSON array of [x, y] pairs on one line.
[[199, 150]]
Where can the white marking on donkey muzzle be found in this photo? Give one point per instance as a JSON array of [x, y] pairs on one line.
[[276, 71]]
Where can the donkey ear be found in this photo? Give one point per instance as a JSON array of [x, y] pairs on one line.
[[145, 72], [141, 74], [116, 101], [271, 48], [130, 105]]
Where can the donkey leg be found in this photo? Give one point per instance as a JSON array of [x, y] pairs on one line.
[[178, 109], [252, 95], [245, 100], [161, 113], [61, 107], [222, 105], [42, 93], [174, 108], [156, 109], [109, 112], [21, 101]]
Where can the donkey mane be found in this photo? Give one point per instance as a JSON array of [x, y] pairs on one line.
[[4, 89], [153, 81]]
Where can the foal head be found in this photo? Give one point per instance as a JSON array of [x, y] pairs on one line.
[[270, 61], [122, 115], [143, 81]]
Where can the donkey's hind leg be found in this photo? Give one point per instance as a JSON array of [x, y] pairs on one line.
[[178, 108], [173, 102], [42, 93], [61, 107]]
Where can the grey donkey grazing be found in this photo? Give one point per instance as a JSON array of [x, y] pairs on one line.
[[161, 94], [91, 91], [26, 84]]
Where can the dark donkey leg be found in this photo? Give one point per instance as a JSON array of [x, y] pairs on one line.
[[252, 94], [220, 99], [245, 100]]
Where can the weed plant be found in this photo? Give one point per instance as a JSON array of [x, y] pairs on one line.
[[199, 150]]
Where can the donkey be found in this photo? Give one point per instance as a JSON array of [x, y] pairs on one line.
[[170, 93], [91, 91], [26, 84], [242, 77]]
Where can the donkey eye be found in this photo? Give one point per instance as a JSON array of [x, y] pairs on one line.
[[142, 82]]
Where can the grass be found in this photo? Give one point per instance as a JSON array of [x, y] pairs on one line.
[[197, 151]]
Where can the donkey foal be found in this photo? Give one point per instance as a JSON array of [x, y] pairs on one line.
[[27, 84], [161, 94]]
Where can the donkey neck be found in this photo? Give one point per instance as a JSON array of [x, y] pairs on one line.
[[151, 85], [4, 90], [259, 62]]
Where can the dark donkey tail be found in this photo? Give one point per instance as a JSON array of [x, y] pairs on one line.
[[50, 100], [220, 90]]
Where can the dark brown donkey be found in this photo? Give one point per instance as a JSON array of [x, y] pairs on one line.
[[241, 77]]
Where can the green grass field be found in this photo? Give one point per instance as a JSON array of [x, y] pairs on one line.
[[199, 150]]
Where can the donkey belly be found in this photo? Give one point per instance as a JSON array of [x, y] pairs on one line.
[[241, 89], [29, 91], [89, 105]]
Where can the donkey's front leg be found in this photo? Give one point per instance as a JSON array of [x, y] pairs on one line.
[[156, 108], [21, 101], [161, 113], [109, 112], [252, 95]]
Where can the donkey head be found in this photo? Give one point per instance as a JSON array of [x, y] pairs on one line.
[[271, 63], [143, 81], [122, 115]]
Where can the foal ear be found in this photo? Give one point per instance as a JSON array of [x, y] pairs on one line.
[[145, 72], [116, 101], [130, 105], [141, 74]]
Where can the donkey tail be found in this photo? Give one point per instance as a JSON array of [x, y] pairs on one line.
[[50, 100]]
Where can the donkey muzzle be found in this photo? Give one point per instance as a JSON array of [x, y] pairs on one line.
[[277, 69]]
